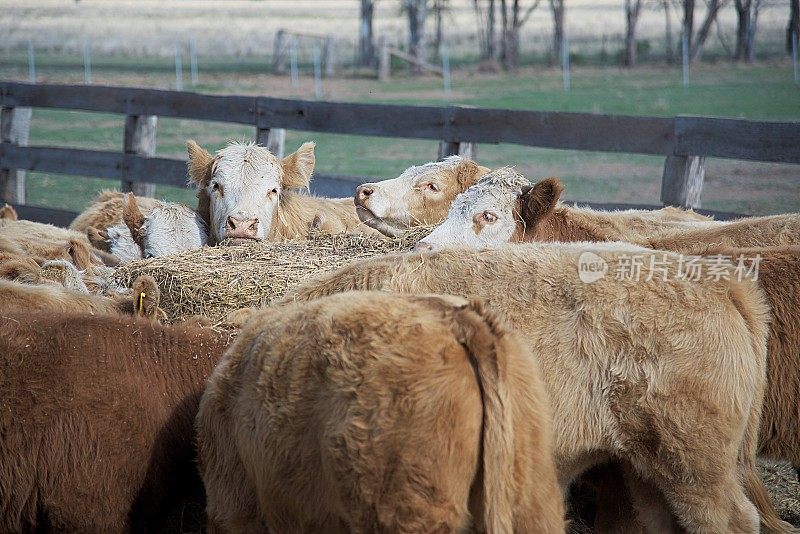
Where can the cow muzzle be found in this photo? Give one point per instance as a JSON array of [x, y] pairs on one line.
[[236, 228]]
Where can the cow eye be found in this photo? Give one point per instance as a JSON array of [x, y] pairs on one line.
[[489, 217], [216, 187], [434, 187]]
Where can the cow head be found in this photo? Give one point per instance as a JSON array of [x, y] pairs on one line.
[[241, 186], [168, 228], [421, 195], [501, 207]]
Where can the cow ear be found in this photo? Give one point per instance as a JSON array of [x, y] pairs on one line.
[[98, 238], [80, 253], [8, 212], [201, 164], [134, 220], [298, 167], [467, 174], [539, 202], [146, 297]]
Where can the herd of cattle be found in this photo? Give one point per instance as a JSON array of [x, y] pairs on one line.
[[523, 347]]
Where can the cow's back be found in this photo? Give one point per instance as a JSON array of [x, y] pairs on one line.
[[97, 416]]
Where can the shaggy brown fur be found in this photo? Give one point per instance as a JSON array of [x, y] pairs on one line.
[[18, 297], [373, 412], [106, 211], [628, 377], [96, 419], [543, 218]]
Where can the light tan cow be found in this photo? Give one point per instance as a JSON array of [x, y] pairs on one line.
[[44, 242], [168, 229], [374, 412], [420, 196], [18, 297], [106, 211], [248, 194], [504, 207], [668, 375]]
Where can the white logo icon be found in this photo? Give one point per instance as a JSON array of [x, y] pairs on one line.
[[591, 267]]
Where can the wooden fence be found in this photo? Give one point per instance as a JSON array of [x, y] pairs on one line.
[[684, 141]]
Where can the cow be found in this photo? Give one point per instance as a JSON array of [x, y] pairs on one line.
[[778, 275], [47, 242], [117, 241], [96, 419], [503, 208], [17, 296], [418, 197], [105, 211], [169, 228], [668, 375], [377, 412], [247, 193]]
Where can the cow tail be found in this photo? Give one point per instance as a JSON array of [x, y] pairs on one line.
[[481, 334]]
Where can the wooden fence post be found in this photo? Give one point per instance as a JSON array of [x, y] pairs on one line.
[[277, 53], [140, 139], [682, 182], [466, 150], [272, 138], [384, 61], [15, 125]]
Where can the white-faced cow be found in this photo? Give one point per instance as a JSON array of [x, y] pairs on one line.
[[248, 193], [420, 196]]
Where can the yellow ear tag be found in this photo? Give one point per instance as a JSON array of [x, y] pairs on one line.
[[142, 295]]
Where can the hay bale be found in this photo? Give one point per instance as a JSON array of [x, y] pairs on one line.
[[213, 281]]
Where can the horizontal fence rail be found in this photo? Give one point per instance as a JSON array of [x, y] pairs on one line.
[[685, 140]]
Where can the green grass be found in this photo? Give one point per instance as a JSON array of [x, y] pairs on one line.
[[764, 91]]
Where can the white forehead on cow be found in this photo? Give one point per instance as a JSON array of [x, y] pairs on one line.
[[500, 187], [413, 173], [247, 160]]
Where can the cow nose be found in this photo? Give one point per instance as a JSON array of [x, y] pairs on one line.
[[422, 246], [241, 228], [363, 192]]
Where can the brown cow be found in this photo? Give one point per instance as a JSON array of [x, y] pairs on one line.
[[502, 208], [420, 196], [18, 297], [374, 412], [96, 419], [248, 193], [634, 368]]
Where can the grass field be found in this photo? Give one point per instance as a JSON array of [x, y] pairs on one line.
[[759, 92]]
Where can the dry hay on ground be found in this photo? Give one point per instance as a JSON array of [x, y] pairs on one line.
[[214, 281], [784, 489]]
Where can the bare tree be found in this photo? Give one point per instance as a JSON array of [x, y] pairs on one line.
[[666, 5], [417, 11], [696, 41], [439, 8], [366, 40], [699, 40], [793, 28], [486, 28], [632, 10], [513, 21], [746, 26], [558, 8]]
